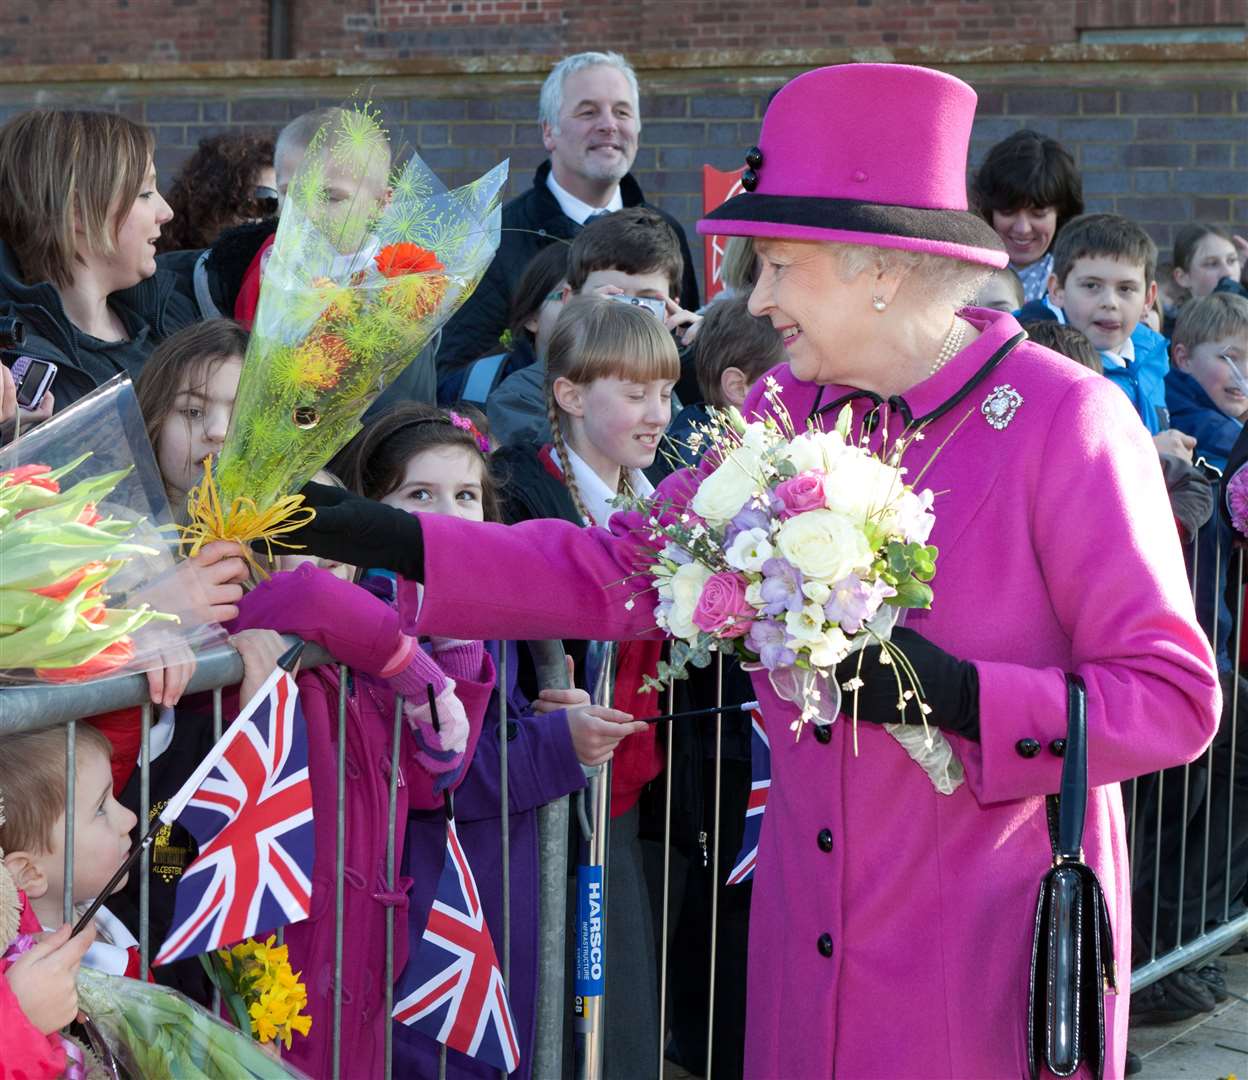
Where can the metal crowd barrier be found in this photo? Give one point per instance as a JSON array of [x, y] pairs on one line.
[[1183, 807]]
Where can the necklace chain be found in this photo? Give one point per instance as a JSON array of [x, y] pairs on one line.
[[950, 346]]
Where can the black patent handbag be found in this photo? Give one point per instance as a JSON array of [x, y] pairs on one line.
[[1072, 955]]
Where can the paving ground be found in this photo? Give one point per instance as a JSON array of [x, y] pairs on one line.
[[1206, 1047], [1209, 1047]]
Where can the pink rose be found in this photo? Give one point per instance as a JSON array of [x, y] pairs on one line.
[[722, 607], [801, 493]]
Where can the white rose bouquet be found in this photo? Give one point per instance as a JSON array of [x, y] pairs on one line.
[[796, 551]]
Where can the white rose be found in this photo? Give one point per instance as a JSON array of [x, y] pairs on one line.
[[722, 494], [824, 545], [830, 649], [686, 586], [860, 485], [814, 451], [754, 594], [749, 550]]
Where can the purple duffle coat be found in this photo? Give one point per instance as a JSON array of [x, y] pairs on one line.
[[1058, 553]]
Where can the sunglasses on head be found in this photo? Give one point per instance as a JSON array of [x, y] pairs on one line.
[[265, 200]]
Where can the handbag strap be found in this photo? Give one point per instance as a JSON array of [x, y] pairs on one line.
[[1067, 809]]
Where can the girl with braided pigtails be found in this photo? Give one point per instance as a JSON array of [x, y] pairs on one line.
[[610, 371]]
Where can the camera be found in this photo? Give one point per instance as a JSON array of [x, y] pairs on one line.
[[12, 333], [652, 304]]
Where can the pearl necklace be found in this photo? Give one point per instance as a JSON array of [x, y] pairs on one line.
[[950, 346]]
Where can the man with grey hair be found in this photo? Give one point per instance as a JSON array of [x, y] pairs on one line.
[[590, 119]]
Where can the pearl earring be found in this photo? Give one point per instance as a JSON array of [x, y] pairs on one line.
[[878, 303]]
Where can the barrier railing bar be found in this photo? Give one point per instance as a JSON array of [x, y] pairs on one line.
[[1178, 928], [393, 826], [719, 776], [340, 840], [504, 814], [71, 775], [1233, 748], [217, 728], [1208, 944], [32, 708], [552, 832], [667, 879], [1161, 786], [145, 811]]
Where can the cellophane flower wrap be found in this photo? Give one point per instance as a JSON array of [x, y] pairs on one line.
[[88, 582], [355, 285], [153, 1031], [797, 549]]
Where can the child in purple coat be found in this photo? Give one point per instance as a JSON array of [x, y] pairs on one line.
[[429, 461]]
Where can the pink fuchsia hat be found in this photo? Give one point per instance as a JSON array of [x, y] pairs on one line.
[[864, 154]]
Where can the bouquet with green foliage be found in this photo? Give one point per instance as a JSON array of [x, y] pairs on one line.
[[153, 1031], [366, 266]]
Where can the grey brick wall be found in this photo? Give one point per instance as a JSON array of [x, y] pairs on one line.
[[1164, 144]]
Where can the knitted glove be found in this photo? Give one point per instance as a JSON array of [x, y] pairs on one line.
[[950, 686], [361, 532], [440, 750]]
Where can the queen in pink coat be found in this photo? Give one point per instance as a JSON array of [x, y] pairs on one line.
[[891, 926]]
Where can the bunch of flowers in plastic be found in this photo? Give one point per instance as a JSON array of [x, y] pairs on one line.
[[57, 552], [365, 267], [796, 550]]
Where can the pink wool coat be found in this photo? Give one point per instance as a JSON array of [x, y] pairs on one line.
[[1058, 552]]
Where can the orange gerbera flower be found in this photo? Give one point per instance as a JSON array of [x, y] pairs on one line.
[[399, 259]]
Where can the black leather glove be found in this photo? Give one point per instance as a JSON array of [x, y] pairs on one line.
[[950, 686], [361, 532]]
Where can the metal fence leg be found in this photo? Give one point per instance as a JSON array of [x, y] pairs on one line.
[[504, 816], [667, 883], [552, 839], [593, 887], [145, 810], [71, 785], [339, 867], [392, 819], [719, 776]]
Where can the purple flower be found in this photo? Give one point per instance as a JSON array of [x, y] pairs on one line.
[[781, 589], [677, 554], [748, 517], [854, 602], [767, 637]]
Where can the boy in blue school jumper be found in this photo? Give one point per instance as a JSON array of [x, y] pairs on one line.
[[1103, 280]]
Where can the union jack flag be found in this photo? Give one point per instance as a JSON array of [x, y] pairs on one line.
[[252, 817], [452, 989], [760, 785]]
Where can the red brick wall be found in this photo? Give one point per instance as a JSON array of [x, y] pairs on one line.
[[107, 31]]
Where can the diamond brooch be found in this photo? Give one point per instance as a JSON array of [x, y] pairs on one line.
[[1000, 406]]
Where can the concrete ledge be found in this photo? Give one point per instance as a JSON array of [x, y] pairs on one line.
[[741, 62]]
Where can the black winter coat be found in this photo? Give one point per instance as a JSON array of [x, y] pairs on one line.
[[151, 311], [530, 222]]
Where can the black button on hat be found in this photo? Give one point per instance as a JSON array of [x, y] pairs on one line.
[[1057, 747], [754, 157], [825, 944], [823, 733], [749, 179], [1027, 748], [825, 839]]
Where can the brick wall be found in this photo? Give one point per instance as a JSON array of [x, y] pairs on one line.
[[160, 31], [1160, 134]]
